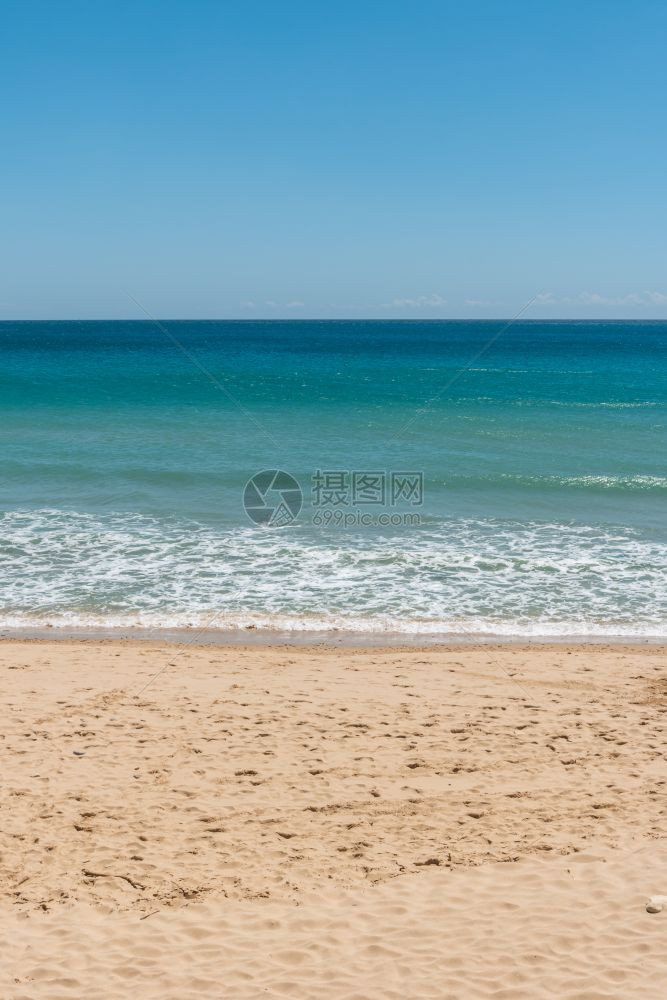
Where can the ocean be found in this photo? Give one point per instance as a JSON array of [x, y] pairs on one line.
[[369, 477]]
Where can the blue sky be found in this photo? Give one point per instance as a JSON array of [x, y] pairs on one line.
[[261, 159]]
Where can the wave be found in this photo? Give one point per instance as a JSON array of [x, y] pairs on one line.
[[648, 404], [597, 482], [636, 483], [468, 576], [509, 401]]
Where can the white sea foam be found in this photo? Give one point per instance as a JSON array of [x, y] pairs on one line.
[[464, 576], [600, 482]]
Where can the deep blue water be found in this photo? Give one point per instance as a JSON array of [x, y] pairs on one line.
[[124, 461]]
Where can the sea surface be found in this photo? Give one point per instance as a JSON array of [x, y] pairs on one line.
[[523, 483]]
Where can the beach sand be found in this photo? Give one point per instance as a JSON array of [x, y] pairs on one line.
[[277, 821]]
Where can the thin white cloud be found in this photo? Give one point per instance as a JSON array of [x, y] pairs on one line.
[[481, 303], [247, 304], [596, 299], [421, 302], [272, 304]]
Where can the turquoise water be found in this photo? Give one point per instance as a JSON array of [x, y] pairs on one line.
[[123, 467]]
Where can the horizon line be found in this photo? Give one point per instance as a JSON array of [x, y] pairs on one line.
[[334, 319]]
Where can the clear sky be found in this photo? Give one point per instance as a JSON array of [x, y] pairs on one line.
[[351, 158]]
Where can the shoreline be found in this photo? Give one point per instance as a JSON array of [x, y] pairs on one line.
[[330, 639]]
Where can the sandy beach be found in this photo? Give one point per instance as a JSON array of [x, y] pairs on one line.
[[275, 821]]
